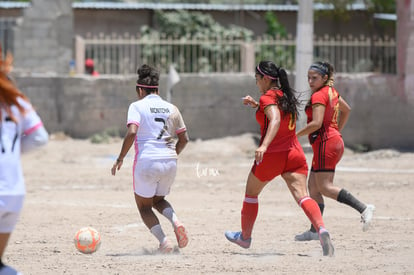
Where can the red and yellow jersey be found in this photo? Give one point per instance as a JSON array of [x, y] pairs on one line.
[[328, 97], [286, 135]]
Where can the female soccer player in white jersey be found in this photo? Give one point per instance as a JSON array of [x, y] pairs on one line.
[[21, 130], [152, 125]]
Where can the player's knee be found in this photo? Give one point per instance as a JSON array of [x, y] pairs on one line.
[[329, 192], [144, 208]]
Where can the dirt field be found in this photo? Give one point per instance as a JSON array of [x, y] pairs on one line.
[[69, 186]]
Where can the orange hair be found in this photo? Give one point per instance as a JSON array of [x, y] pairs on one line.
[[8, 91]]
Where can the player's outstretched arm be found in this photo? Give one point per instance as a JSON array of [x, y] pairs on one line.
[[126, 144], [37, 138]]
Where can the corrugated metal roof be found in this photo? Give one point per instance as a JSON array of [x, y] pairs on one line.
[[182, 6], [355, 6], [13, 5], [386, 16]]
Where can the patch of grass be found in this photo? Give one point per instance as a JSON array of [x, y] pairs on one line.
[[105, 136]]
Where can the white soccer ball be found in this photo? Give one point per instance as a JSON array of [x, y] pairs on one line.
[[87, 240]]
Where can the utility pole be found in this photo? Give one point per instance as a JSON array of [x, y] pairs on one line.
[[304, 55]]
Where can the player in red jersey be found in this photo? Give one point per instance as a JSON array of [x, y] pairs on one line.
[[327, 114], [279, 153]]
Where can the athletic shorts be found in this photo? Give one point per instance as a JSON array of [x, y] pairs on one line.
[[278, 163], [8, 221], [10, 207], [154, 177], [327, 154]]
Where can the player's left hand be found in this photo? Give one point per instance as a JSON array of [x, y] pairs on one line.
[[117, 165], [248, 100], [259, 154]]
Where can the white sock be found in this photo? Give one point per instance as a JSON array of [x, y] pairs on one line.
[[170, 215], [156, 230]]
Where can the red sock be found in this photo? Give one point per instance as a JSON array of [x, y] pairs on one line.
[[311, 209], [248, 215]]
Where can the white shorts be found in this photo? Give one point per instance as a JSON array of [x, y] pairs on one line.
[[154, 177], [10, 207], [8, 221]]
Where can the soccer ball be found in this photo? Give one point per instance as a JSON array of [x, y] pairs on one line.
[[87, 240]]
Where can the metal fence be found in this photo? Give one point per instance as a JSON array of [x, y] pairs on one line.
[[123, 54], [347, 54], [358, 54], [116, 54]]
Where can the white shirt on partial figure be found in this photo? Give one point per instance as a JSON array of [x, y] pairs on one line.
[[158, 123], [17, 137]]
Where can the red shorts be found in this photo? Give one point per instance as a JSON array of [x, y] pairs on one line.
[[277, 163], [327, 154]]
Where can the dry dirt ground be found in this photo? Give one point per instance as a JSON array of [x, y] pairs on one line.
[[69, 186]]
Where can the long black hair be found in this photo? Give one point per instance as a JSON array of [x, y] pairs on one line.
[[288, 103], [148, 78]]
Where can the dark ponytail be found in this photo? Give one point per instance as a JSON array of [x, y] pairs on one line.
[[288, 102]]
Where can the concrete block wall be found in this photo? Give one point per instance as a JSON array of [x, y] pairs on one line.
[[83, 106], [211, 106], [79, 106], [380, 116], [44, 38]]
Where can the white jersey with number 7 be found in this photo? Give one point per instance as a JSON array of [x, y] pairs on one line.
[[158, 123]]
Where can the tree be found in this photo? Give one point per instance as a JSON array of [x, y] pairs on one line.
[[193, 25], [340, 11], [341, 8], [202, 32], [273, 25]]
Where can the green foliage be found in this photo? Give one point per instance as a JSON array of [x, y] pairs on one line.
[[105, 136], [341, 12], [202, 30], [381, 6], [273, 25], [284, 55], [267, 50], [196, 25]]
